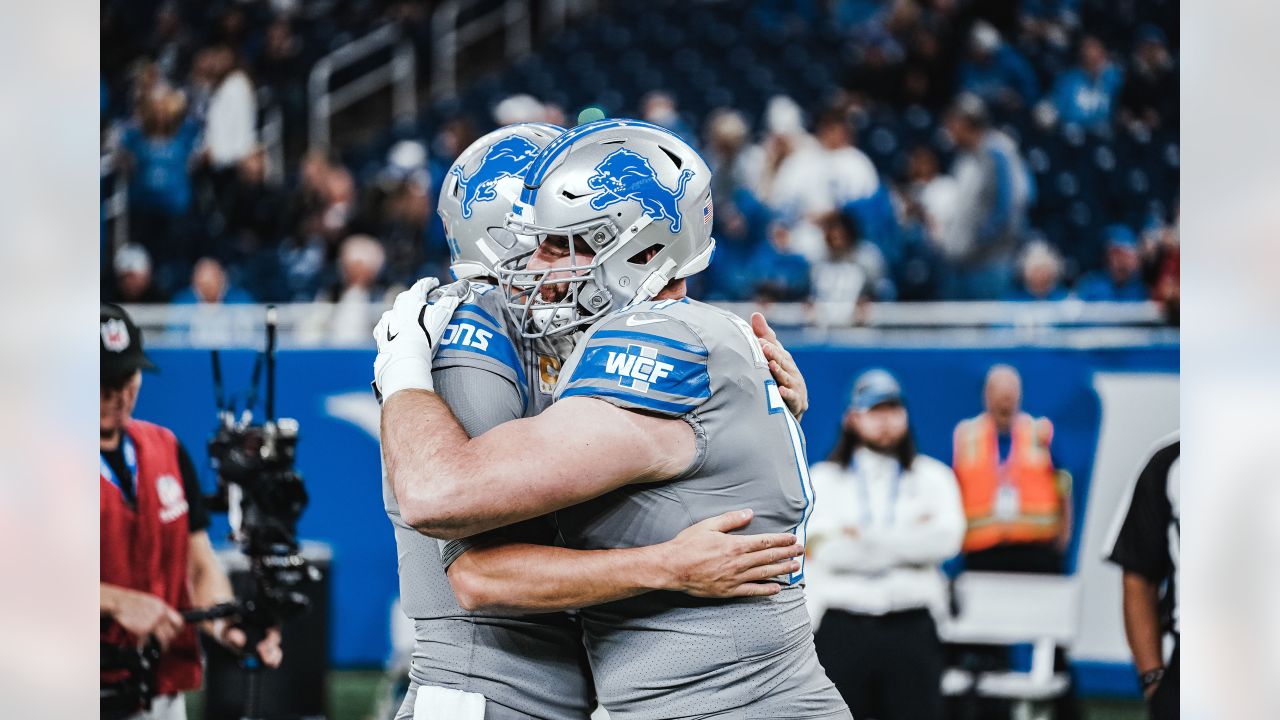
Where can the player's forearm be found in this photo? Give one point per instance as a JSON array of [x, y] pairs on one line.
[[524, 578], [448, 484], [419, 436], [451, 486], [1142, 622]]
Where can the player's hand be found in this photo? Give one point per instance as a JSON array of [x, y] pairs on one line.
[[268, 648], [782, 366], [409, 333], [704, 560], [144, 615]]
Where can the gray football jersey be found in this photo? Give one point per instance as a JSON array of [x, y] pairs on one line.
[[666, 654], [531, 666]]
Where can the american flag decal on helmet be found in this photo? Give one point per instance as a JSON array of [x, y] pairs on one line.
[[707, 213]]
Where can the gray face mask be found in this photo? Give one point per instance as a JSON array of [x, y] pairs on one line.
[[553, 302]]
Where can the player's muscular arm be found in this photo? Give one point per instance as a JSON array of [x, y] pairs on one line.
[[703, 560], [451, 486]]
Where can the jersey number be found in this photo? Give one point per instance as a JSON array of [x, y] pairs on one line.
[[801, 530]]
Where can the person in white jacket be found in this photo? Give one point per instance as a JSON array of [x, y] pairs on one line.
[[885, 518]]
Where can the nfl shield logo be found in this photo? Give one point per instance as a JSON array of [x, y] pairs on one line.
[[115, 335]]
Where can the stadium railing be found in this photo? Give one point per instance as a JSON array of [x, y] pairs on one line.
[[399, 72], [953, 324]]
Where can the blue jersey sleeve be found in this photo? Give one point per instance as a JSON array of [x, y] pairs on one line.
[[640, 361], [476, 337]]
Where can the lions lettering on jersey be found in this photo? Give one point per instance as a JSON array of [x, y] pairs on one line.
[[637, 367], [465, 333], [474, 333]]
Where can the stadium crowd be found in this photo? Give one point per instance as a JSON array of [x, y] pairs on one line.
[[923, 149]]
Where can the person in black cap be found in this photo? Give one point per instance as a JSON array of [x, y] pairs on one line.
[[887, 518], [155, 555]]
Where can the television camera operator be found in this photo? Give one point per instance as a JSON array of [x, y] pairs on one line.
[[156, 559]]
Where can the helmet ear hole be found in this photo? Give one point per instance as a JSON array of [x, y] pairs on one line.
[[643, 257], [674, 157]]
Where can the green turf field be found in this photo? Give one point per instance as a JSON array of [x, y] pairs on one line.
[[351, 697]]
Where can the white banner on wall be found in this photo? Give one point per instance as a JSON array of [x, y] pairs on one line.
[[1137, 410]]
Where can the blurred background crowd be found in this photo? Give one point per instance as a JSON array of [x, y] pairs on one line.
[[864, 150]]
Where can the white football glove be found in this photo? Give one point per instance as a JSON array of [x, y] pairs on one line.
[[409, 333]]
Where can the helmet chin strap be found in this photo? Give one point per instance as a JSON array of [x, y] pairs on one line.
[[657, 280]]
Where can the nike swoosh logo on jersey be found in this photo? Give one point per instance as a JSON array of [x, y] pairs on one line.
[[633, 320]]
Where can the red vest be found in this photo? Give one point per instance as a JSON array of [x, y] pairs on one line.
[[145, 547]]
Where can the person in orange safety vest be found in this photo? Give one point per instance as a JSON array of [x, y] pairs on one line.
[[1017, 504]]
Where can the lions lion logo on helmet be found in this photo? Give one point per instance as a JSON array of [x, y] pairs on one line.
[[509, 157], [627, 175]]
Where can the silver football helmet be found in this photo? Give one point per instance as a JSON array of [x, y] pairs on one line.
[[478, 191], [634, 194]]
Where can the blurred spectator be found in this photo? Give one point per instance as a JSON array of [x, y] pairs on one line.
[[1150, 94], [930, 195], [157, 153], [1122, 279], [850, 272], [1017, 503], [360, 262], [739, 226], [400, 211], [659, 108], [779, 274], [518, 108], [321, 209], [785, 137], [253, 211], [209, 286], [452, 138], [996, 72], [725, 149], [1163, 268], [283, 68], [232, 113], [281, 65], [334, 196], [992, 194], [132, 278], [1040, 270], [170, 44], [1086, 95], [825, 176], [889, 517], [929, 70]]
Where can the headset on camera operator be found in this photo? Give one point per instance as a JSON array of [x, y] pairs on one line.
[[156, 559]]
